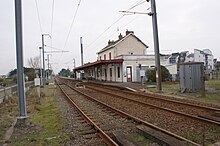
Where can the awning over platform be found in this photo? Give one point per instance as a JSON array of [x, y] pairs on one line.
[[98, 62]]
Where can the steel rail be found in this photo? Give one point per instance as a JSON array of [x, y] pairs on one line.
[[151, 95], [162, 108], [101, 133], [123, 114]]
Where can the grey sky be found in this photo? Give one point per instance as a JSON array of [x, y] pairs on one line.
[[183, 25]]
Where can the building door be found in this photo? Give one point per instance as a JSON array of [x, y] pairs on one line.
[[129, 73], [110, 74], [105, 74]]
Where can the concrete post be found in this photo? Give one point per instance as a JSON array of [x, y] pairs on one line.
[[156, 45]]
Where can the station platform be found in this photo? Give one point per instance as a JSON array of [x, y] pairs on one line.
[[135, 87], [132, 86]]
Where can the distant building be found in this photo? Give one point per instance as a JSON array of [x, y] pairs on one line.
[[173, 61], [3, 76], [190, 58], [174, 58], [183, 56], [206, 57], [216, 64]]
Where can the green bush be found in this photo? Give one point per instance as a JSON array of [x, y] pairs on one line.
[[165, 74]]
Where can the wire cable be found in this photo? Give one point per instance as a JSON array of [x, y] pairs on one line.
[[72, 24], [38, 16], [70, 28], [139, 3], [51, 31], [104, 31], [53, 47]]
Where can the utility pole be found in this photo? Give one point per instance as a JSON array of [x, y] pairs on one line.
[[44, 78], [40, 67], [156, 45], [153, 13], [48, 65], [20, 68], [81, 44], [43, 60], [74, 63]]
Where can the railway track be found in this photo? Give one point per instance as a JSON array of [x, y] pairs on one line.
[[138, 120], [190, 127], [202, 113], [105, 122], [80, 131], [151, 98]]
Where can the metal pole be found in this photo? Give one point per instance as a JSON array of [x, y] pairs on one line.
[[20, 68], [81, 44], [156, 45], [40, 68], [43, 60], [74, 63], [48, 66]]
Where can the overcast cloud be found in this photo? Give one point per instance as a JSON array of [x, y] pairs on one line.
[[183, 25]]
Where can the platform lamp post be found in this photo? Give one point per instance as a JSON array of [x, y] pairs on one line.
[[20, 68]]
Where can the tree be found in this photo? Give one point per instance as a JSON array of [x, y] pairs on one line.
[[165, 74], [151, 75], [29, 72], [34, 62], [64, 72]]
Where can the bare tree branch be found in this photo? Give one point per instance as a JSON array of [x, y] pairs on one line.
[[34, 62]]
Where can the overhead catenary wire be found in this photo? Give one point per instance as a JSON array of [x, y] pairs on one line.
[[97, 38], [53, 47], [38, 15], [73, 20], [104, 31], [122, 27], [51, 31], [71, 24], [139, 3]]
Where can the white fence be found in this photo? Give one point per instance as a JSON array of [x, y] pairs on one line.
[[7, 92]]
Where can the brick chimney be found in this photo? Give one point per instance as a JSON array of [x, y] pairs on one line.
[[110, 42], [128, 32], [120, 36]]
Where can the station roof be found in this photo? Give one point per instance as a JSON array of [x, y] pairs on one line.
[[98, 62]]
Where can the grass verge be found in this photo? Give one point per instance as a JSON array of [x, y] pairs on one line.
[[212, 90], [48, 129]]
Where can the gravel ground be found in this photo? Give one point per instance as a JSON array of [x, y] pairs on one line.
[[142, 90], [107, 120], [8, 112], [161, 103], [79, 131]]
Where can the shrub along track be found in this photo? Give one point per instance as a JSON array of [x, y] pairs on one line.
[[202, 132]]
